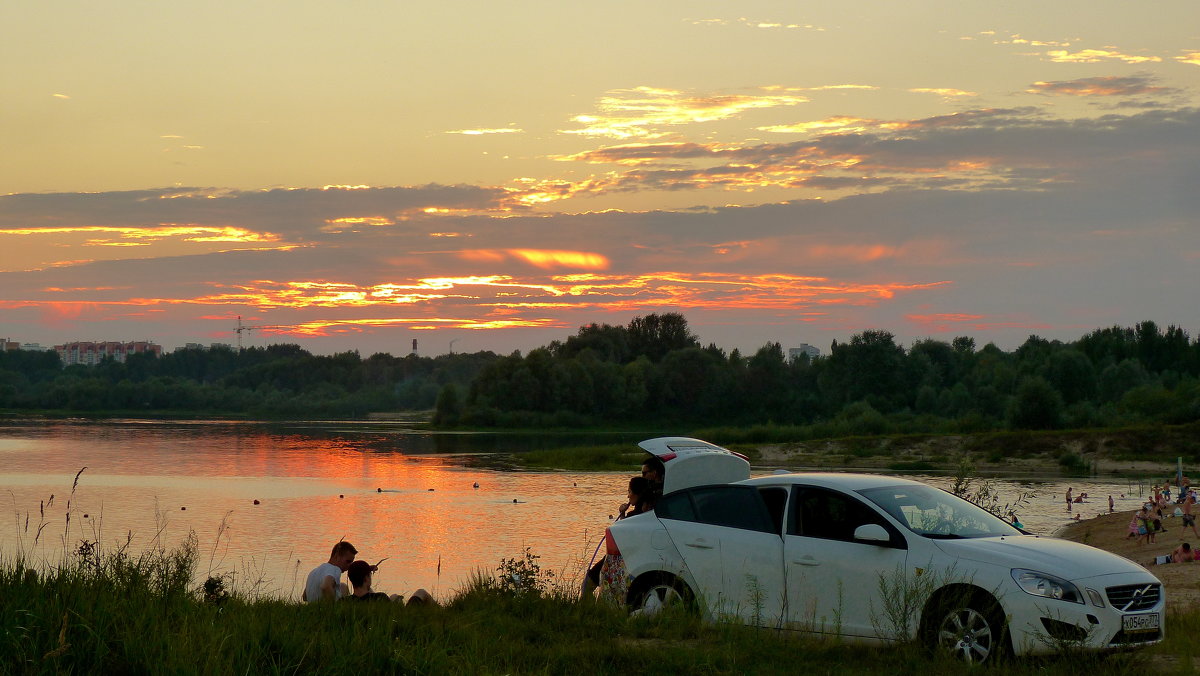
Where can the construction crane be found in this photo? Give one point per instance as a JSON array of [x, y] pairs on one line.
[[243, 327]]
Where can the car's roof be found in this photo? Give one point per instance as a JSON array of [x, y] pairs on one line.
[[844, 481]]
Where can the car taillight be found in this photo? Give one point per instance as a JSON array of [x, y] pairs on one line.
[[668, 456], [610, 545]]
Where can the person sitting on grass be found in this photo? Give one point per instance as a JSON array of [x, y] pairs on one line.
[[360, 573], [639, 497], [324, 582]]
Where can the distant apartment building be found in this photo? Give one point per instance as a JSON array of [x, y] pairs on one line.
[[805, 349], [10, 345], [90, 354]]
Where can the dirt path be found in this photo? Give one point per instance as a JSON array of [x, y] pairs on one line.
[[1108, 532]]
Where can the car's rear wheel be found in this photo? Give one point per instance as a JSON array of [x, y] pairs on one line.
[[970, 629], [653, 594]]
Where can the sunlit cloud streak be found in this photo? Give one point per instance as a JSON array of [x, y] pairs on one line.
[[750, 23], [1097, 55], [1016, 39], [944, 92], [286, 212], [486, 131], [643, 111], [977, 149], [1190, 57], [188, 233], [582, 260]]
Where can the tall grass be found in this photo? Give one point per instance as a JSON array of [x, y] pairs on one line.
[[118, 612]]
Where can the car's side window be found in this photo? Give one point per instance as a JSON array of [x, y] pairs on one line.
[[676, 506], [731, 506], [822, 513], [775, 498]]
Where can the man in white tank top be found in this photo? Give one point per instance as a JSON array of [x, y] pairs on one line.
[[324, 582]]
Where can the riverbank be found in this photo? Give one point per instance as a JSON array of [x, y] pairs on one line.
[[1149, 452], [1110, 533]]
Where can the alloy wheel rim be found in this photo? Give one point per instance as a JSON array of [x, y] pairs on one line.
[[659, 597], [967, 634]]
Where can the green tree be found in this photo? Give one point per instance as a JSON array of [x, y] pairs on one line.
[[1037, 406]]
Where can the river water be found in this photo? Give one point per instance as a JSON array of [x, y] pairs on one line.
[[393, 492]]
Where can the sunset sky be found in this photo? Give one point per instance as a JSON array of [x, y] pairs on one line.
[[365, 173]]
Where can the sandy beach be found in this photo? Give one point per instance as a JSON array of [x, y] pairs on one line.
[[1108, 532]]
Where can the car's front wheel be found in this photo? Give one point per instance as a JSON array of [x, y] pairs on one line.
[[970, 629], [653, 594]]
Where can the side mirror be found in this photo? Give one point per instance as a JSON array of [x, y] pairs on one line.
[[872, 532]]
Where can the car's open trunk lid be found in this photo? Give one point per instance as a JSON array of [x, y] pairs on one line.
[[692, 462]]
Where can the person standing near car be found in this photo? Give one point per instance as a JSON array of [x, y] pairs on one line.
[[655, 472]]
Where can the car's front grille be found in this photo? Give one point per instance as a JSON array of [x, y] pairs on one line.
[[1131, 597]]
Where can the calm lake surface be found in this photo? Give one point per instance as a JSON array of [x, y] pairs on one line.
[[393, 492]]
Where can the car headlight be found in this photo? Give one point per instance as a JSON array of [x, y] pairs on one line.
[[1049, 586]]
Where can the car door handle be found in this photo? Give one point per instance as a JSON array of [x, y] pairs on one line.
[[699, 543], [806, 561]]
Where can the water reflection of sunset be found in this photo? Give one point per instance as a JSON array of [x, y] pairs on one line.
[[313, 489]]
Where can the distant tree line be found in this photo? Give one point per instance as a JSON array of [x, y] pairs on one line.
[[275, 381], [655, 371]]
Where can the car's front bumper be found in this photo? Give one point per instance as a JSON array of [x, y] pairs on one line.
[[1122, 611]]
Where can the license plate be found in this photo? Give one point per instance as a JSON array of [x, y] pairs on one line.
[[1138, 623]]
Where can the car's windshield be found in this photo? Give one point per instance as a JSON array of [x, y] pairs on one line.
[[934, 513]]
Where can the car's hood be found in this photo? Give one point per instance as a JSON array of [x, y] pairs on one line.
[[1044, 554]]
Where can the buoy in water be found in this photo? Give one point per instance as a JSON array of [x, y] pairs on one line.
[[256, 502]]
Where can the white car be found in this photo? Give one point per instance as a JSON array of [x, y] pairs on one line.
[[873, 558]]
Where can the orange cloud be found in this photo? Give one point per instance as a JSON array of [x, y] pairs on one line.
[[326, 327], [561, 259], [542, 258]]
